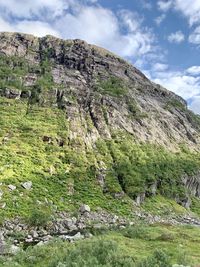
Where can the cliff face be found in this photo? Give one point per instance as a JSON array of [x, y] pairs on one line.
[[79, 124], [91, 84]]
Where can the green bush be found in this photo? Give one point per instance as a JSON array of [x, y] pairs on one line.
[[138, 166], [98, 253], [113, 86], [158, 259], [137, 231], [40, 216]]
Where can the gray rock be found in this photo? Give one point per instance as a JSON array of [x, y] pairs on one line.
[[140, 198], [12, 93], [46, 238], [2, 245], [27, 185], [41, 243], [78, 236], [84, 208], [75, 237], [70, 224], [29, 240], [11, 187], [34, 234], [153, 188], [14, 249]]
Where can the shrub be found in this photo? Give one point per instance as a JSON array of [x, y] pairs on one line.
[[137, 231], [96, 253], [166, 237], [113, 87], [138, 166], [158, 259], [40, 216]]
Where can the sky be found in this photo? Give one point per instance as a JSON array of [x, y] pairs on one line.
[[159, 37]]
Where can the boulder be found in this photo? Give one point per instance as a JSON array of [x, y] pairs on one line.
[[14, 249], [11, 187], [27, 185], [84, 208], [77, 236], [12, 93]]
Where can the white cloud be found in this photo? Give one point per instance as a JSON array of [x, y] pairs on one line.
[[159, 67], [194, 37], [107, 32], [176, 37], [121, 33], [190, 9], [37, 28], [160, 19], [38, 8], [5, 26], [195, 104], [182, 84], [185, 83], [194, 70], [164, 5]]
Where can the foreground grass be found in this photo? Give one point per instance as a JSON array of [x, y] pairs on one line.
[[136, 246]]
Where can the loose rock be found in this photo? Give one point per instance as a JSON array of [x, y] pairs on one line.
[[84, 208], [11, 187], [27, 185]]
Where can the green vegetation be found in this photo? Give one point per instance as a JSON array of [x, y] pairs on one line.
[[13, 72], [26, 156], [35, 147], [40, 216], [135, 111], [135, 246], [163, 206], [174, 103], [194, 119], [113, 86], [196, 205], [138, 166]]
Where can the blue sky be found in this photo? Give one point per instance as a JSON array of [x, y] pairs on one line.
[[160, 37]]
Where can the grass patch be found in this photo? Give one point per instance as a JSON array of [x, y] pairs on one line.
[[113, 86], [115, 248]]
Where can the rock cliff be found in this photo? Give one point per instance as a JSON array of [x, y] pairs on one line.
[[90, 83]]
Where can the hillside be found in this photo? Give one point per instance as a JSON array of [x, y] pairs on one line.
[[79, 125]]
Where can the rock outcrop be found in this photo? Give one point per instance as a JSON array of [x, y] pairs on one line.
[[96, 88]]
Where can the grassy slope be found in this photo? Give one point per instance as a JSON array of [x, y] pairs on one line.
[[26, 157], [53, 169], [129, 247]]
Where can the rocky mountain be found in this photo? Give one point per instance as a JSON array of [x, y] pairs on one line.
[[81, 125], [89, 82]]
